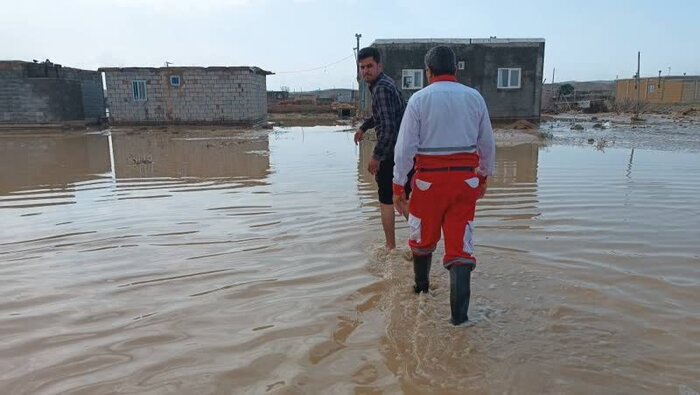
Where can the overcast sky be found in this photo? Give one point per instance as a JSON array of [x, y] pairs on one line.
[[585, 40]]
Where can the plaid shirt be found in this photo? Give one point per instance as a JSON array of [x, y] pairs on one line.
[[387, 110]]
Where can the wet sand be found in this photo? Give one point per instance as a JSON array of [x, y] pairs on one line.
[[251, 262]]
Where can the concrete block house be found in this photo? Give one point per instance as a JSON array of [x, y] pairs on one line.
[[186, 95], [507, 72]]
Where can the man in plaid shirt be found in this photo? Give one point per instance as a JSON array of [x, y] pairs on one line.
[[388, 106]]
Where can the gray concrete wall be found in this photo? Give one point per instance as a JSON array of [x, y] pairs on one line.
[[40, 100], [12, 69], [205, 95], [32, 93], [91, 89], [482, 62]]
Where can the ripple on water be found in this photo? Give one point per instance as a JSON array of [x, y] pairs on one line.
[[255, 262]]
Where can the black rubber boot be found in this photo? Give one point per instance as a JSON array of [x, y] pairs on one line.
[[460, 292], [421, 269]]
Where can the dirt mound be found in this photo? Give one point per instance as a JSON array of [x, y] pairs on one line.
[[522, 125]]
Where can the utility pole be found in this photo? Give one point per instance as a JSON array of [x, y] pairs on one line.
[[636, 109], [553, 93], [360, 99], [357, 52]]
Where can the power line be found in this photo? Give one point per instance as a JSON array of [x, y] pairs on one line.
[[316, 68]]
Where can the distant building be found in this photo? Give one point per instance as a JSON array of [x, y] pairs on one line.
[[274, 97], [320, 97], [507, 72], [338, 95], [660, 90], [45, 92], [588, 96], [186, 95]]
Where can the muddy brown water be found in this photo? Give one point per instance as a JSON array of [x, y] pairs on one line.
[[217, 263]]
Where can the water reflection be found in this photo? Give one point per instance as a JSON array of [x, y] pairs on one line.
[[516, 164], [511, 202], [366, 183], [201, 155], [56, 168], [59, 160]]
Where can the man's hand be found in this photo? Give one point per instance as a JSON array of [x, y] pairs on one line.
[[359, 135], [401, 204], [482, 189], [373, 167]]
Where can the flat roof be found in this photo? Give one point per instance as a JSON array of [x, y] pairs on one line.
[[42, 63], [664, 77], [385, 41], [253, 69]]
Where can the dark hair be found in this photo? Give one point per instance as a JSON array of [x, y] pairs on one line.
[[369, 52], [441, 60]]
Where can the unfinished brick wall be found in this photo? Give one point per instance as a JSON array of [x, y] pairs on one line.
[[225, 95], [91, 91], [39, 93]]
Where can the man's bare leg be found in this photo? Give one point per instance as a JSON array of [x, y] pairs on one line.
[[387, 211]]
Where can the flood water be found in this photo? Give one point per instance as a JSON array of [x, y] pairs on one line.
[[153, 262]]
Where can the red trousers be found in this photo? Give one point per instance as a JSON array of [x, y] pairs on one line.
[[444, 200]]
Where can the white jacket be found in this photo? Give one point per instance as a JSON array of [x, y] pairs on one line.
[[442, 119]]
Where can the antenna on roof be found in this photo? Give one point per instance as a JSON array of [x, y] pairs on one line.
[[167, 64]]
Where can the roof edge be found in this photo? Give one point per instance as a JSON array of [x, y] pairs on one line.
[[253, 69], [386, 41]]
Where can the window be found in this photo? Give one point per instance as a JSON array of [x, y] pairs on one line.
[[651, 88], [508, 78], [461, 65], [138, 88], [412, 79], [175, 80]]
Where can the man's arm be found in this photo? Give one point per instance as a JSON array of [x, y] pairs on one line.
[[486, 147], [406, 146], [367, 124], [485, 143], [385, 107]]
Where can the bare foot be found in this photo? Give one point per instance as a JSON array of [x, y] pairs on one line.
[[389, 248]]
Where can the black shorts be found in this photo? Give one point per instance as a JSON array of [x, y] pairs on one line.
[[385, 180]]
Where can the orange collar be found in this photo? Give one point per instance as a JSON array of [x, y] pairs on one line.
[[444, 77]]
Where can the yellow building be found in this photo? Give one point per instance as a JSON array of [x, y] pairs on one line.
[[661, 90]]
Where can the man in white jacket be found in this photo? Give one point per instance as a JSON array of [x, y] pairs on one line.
[[447, 130]]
